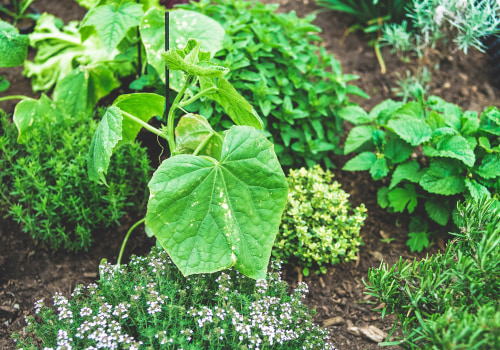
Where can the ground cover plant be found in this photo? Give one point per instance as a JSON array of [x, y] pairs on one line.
[[45, 188], [318, 226], [432, 152], [150, 304], [449, 300], [294, 84]]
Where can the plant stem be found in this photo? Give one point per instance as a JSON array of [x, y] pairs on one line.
[[380, 59], [145, 125], [171, 114], [126, 239], [14, 97], [197, 96], [202, 144]]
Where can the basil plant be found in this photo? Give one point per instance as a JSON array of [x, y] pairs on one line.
[[218, 200]]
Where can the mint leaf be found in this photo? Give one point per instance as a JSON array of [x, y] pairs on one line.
[[490, 166], [13, 46], [400, 198], [210, 215], [355, 115], [438, 210], [112, 22], [413, 131], [359, 136], [105, 139], [476, 190], [443, 177], [452, 146], [407, 171], [384, 110], [418, 241], [397, 150], [382, 197], [363, 161], [470, 123], [379, 169]]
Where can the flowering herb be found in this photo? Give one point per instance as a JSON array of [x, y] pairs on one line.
[[149, 304]]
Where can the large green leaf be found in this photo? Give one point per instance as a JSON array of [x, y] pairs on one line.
[[443, 177], [183, 26], [13, 46], [359, 136], [105, 139], [78, 92], [476, 190], [490, 166], [112, 21], [143, 106], [413, 131], [396, 149], [401, 198], [409, 170], [194, 132], [355, 115], [438, 209], [29, 112], [363, 161], [452, 146], [210, 215]]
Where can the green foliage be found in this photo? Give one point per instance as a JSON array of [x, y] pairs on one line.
[[44, 186], [217, 201], [449, 301], [449, 22], [150, 305], [432, 152], [318, 226], [276, 65], [14, 46]]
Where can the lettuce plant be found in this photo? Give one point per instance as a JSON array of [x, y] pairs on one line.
[[318, 226], [217, 201], [449, 300], [150, 305], [432, 154], [278, 67]]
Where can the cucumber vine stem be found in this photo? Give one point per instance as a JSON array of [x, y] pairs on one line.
[[171, 114], [124, 243], [14, 97], [145, 125]]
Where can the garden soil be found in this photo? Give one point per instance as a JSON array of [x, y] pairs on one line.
[[30, 272]]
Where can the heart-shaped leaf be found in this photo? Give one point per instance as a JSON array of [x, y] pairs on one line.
[[210, 215]]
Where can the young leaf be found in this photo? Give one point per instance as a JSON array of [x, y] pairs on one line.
[[396, 149], [379, 169], [358, 136], [192, 131], [363, 161], [105, 139], [476, 190], [418, 241], [452, 146], [210, 215], [443, 177], [413, 131], [438, 209], [382, 197], [407, 171], [143, 106], [183, 25], [236, 107], [400, 198], [13, 46], [112, 21]]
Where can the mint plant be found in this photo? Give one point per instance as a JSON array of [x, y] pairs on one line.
[[217, 201], [431, 153], [276, 64], [43, 180], [318, 227], [13, 45], [149, 304], [449, 300]]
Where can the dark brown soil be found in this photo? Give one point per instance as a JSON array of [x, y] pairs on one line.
[[29, 272]]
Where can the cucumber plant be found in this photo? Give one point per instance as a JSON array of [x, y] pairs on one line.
[[217, 201]]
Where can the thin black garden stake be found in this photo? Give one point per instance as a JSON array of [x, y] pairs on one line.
[[139, 49], [167, 78]]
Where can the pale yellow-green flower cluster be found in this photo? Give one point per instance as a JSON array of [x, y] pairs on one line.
[[318, 227]]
